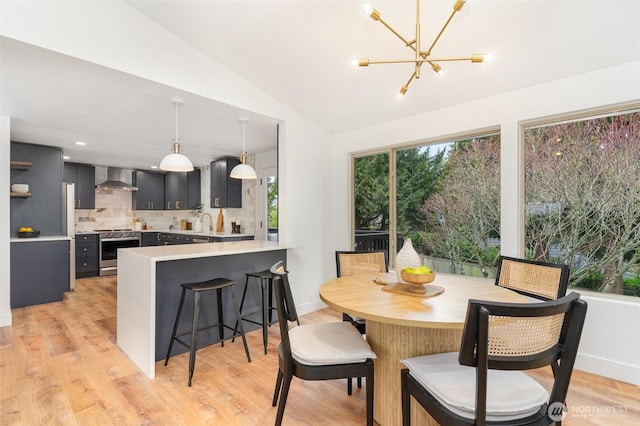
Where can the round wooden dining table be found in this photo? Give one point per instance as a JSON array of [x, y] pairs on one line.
[[402, 326]]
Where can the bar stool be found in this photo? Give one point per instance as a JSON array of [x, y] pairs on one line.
[[216, 284], [266, 283]]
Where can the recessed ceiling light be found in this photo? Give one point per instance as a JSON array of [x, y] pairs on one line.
[[81, 143], [65, 157], [154, 167]]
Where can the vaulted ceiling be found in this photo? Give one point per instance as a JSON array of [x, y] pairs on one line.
[[300, 53]]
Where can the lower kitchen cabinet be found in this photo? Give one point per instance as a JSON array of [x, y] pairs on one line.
[[231, 238], [39, 272], [150, 239], [87, 255]]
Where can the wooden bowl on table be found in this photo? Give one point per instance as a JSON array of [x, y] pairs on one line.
[[418, 281]]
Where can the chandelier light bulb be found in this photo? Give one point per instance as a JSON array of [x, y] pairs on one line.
[[371, 12]]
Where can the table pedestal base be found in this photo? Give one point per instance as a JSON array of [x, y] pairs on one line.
[[391, 343]]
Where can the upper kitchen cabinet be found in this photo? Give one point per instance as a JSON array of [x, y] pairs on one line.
[[43, 210], [84, 178], [194, 194], [226, 192], [182, 190], [175, 190], [150, 193]]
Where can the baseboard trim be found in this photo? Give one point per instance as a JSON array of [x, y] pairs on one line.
[[5, 319], [608, 368]]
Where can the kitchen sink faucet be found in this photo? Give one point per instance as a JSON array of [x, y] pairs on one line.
[[210, 221]]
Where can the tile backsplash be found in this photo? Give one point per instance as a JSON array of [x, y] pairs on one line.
[[114, 210]]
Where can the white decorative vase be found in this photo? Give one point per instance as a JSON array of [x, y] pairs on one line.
[[407, 257], [197, 225]]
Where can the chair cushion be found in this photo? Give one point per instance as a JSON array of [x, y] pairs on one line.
[[510, 394], [328, 343]]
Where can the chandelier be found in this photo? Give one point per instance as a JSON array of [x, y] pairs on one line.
[[421, 56]]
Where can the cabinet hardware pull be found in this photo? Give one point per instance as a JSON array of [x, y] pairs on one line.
[[177, 205], [168, 205]]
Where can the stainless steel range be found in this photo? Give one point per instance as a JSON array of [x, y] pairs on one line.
[[110, 241]]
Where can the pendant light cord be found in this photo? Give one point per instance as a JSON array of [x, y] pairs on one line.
[[243, 126], [177, 106]]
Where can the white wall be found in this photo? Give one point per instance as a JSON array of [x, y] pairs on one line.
[[5, 179], [114, 35], [610, 320]]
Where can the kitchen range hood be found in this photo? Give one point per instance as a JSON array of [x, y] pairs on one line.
[[116, 181]]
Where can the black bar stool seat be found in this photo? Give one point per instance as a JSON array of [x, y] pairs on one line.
[[197, 288]]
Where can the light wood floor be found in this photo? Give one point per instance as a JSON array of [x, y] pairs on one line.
[[59, 365]]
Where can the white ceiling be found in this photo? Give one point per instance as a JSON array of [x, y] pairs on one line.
[[300, 53]]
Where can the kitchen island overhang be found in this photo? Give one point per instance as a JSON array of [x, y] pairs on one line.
[[148, 290]]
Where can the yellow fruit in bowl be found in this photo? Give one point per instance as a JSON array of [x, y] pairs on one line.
[[419, 270], [26, 229]]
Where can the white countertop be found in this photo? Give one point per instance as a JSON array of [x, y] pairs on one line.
[[191, 251], [45, 238]]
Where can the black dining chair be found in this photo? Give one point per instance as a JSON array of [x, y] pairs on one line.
[[484, 383], [533, 279], [319, 351]]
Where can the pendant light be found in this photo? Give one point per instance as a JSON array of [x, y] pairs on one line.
[[243, 170], [176, 162]]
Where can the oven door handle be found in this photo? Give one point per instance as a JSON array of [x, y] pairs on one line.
[[120, 239]]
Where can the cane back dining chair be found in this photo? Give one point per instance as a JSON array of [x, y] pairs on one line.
[[535, 280], [484, 383], [357, 262], [319, 351]]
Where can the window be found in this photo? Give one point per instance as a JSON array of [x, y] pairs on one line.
[[446, 198], [582, 199], [371, 202]]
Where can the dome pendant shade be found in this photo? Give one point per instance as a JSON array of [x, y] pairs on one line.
[[176, 161], [243, 170]]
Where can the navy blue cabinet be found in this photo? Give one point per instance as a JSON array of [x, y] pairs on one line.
[[182, 190], [150, 193], [39, 272], [150, 239], [83, 177], [226, 192], [87, 255], [42, 210]]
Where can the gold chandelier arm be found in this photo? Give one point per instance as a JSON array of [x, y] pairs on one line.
[[456, 8], [405, 87], [390, 28], [390, 61], [473, 58]]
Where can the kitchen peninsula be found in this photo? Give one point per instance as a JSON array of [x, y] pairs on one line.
[[149, 291]]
